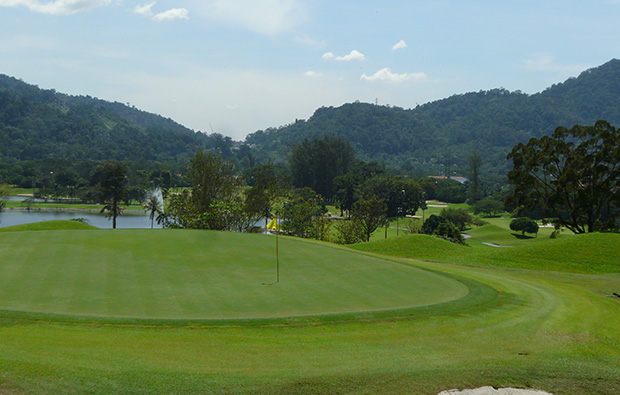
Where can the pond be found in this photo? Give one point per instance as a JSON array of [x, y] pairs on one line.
[[126, 221]]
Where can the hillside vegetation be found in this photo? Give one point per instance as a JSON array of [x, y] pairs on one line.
[[37, 124], [437, 135]]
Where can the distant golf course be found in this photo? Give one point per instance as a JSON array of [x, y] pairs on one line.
[[192, 312]]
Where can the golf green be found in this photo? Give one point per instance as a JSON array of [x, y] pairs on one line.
[[169, 274]]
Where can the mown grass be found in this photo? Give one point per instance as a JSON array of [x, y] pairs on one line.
[[544, 329], [172, 274], [586, 253], [48, 225]]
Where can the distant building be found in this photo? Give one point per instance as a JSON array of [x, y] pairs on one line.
[[455, 178]]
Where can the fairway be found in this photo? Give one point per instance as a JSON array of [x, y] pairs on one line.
[[195, 312], [203, 275]]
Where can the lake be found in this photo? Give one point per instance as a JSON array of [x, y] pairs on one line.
[[129, 220]]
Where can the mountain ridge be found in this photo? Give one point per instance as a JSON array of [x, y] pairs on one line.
[[442, 133]]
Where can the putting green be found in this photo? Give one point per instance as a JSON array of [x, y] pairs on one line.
[[156, 274]]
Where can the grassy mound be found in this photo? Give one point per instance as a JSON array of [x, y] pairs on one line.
[[48, 225], [586, 253], [162, 274], [417, 246]]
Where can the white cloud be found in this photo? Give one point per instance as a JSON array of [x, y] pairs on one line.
[[399, 45], [386, 75], [144, 10], [353, 55], [56, 7], [268, 17], [172, 14], [547, 63], [312, 74], [303, 39]]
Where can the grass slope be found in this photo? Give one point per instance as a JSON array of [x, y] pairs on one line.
[[585, 253], [558, 332]]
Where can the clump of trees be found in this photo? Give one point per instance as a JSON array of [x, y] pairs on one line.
[[572, 176], [440, 226]]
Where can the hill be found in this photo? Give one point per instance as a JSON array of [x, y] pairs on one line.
[[439, 135], [37, 123]]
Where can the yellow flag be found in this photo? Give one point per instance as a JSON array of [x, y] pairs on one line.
[[273, 224]]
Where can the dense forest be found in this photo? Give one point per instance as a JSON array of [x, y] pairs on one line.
[[437, 137], [37, 124]]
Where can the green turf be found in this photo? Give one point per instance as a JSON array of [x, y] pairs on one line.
[[586, 253], [48, 225], [202, 275], [544, 329]]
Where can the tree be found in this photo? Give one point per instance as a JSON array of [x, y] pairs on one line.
[[5, 191], [573, 176], [259, 198], [153, 206], [371, 213], [437, 225], [349, 231], [300, 212], [214, 201], [474, 163], [431, 223], [447, 230], [111, 180], [401, 196], [488, 206], [316, 162], [523, 225], [458, 216]]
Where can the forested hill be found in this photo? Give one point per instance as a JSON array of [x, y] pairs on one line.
[[424, 139], [37, 123]]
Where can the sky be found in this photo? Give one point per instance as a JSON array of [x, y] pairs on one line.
[[238, 66]]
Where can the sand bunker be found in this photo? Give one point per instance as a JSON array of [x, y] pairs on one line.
[[494, 391]]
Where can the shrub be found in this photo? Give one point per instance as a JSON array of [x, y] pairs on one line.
[[349, 232], [479, 222], [447, 230], [431, 223], [412, 225]]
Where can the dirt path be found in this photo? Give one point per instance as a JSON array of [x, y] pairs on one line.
[[494, 391]]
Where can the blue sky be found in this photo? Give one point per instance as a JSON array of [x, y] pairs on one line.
[[237, 66]]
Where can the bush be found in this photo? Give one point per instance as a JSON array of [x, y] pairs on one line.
[[349, 232], [447, 230], [431, 223], [479, 222], [412, 225]]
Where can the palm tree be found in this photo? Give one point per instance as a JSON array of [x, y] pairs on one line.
[[152, 206]]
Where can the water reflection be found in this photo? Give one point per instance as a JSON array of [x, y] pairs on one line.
[[127, 221]]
